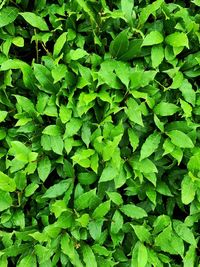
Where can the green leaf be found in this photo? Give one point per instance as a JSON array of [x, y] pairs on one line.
[[141, 232], [188, 92], [83, 201], [117, 222], [58, 189], [150, 145], [44, 254], [68, 248], [60, 42], [169, 242], [157, 55], [87, 178], [57, 144], [59, 73], [101, 210], [196, 2], [133, 112], [127, 9], [5, 200], [187, 109], [30, 189], [52, 130], [26, 104], [3, 115], [188, 190], [177, 39], [194, 163], [144, 166], [7, 183], [95, 228], [18, 41], [86, 134], [77, 54], [44, 168], [72, 127], [189, 259], [153, 38], [65, 114], [115, 197], [88, 256], [184, 232], [142, 255], [108, 174], [28, 77], [148, 10], [133, 211], [134, 140], [120, 44], [8, 15], [161, 223], [165, 109], [29, 261], [43, 75], [180, 139], [35, 20]]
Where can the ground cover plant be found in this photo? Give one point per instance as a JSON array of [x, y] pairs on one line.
[[99, 132]]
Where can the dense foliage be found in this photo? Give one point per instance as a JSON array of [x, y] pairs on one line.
[[99, 113]]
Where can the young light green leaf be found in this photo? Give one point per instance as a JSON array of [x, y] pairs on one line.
[[180, 139], [150, 145], [153, 38], [35, 20]]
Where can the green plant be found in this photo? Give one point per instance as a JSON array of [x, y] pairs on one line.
[[99, 113]]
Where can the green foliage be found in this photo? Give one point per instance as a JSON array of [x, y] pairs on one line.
[[99, 132]]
